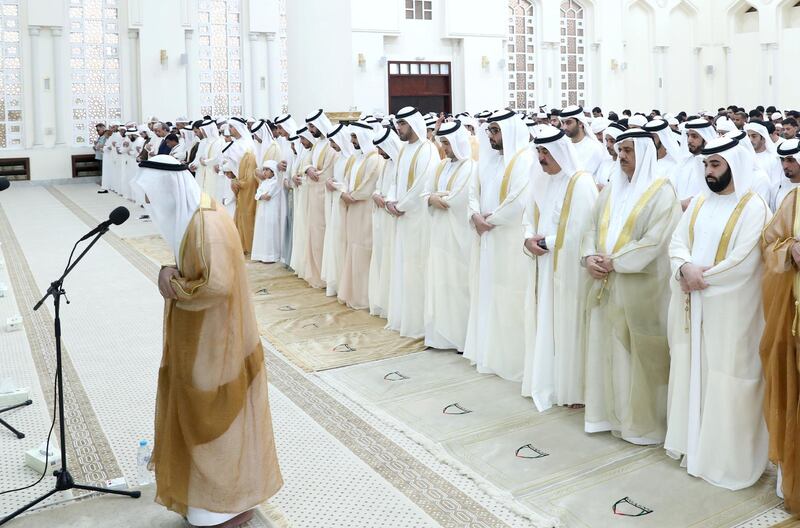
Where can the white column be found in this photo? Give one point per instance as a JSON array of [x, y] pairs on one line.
[[698, 80], [258, 74], [192, 81], [766, 66], [594, 95], [728, 71], [126, 85], [774, 75], [62, 80], [274, 75], [659, 56], [38, 89], [133, 67], [552, 75]]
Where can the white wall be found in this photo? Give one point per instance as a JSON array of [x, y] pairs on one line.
[[639, 61], [163, 87], [714, 54], [321, 53]]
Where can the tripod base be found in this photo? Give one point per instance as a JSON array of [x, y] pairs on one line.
[[64, 481], [7, 425]]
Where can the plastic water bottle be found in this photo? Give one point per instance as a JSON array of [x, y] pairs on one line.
[[142, 460]]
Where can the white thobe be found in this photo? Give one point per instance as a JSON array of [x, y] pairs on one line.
[[590, 154], [267, 239], [498, 271], [447, 294], [556, 298], [407, 294], [771, 164], [689, 178], [785, 188], [332, 248], [665, 167], [716, 386], [383, 232], [605, 171]]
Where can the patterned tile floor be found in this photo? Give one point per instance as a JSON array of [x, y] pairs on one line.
[[343, 466]]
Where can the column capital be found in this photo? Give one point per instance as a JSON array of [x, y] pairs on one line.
[[34, 31], [271, 37], [56, 31], [660, 49], [256, 36], [188, 32], [133, 34], [697, 50]]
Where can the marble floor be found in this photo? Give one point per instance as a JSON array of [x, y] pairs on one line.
[[344, 465]]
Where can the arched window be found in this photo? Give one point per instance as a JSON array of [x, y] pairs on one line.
[[220, 53], [521, 86], [11, 78], [94, 63], [573, 54]]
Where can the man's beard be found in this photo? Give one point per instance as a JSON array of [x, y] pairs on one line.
[[496, 145], [317, 134], [384, 155], [720, 184], [695, 150]]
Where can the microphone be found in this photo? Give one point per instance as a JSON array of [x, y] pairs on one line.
[[116, 217], [4, 184]]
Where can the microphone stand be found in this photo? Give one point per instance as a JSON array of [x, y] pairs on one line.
[[64, 480]]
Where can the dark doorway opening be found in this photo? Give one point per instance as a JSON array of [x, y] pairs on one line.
[[424, 85]]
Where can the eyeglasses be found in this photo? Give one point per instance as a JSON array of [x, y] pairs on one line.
[[493, 131]]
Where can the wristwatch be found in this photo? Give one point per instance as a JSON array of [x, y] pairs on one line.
[[542, 244]]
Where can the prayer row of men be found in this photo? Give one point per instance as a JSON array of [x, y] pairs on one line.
[[616, 265]]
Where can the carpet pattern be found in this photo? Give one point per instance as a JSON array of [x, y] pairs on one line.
[[544, 460], [314, 331]]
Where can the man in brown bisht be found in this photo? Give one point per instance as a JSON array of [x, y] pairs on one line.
[[317, 170], [243, 165], [214, 453], [360, 179], [780, 247]]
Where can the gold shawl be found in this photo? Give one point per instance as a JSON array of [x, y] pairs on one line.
[[779, 346], [214, 447]]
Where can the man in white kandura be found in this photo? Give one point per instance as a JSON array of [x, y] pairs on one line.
[[210, 158], [556, 218], [688, 177], [383, 224], [627, 356], [609, 165], [333, 250], [716, 386], [765, 152], [589, 150], [447, 294], [498, 268], [415, 167], [789, 154], [669, 152], [285, 128]]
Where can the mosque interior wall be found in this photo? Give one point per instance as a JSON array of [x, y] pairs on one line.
[[638, 54]]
